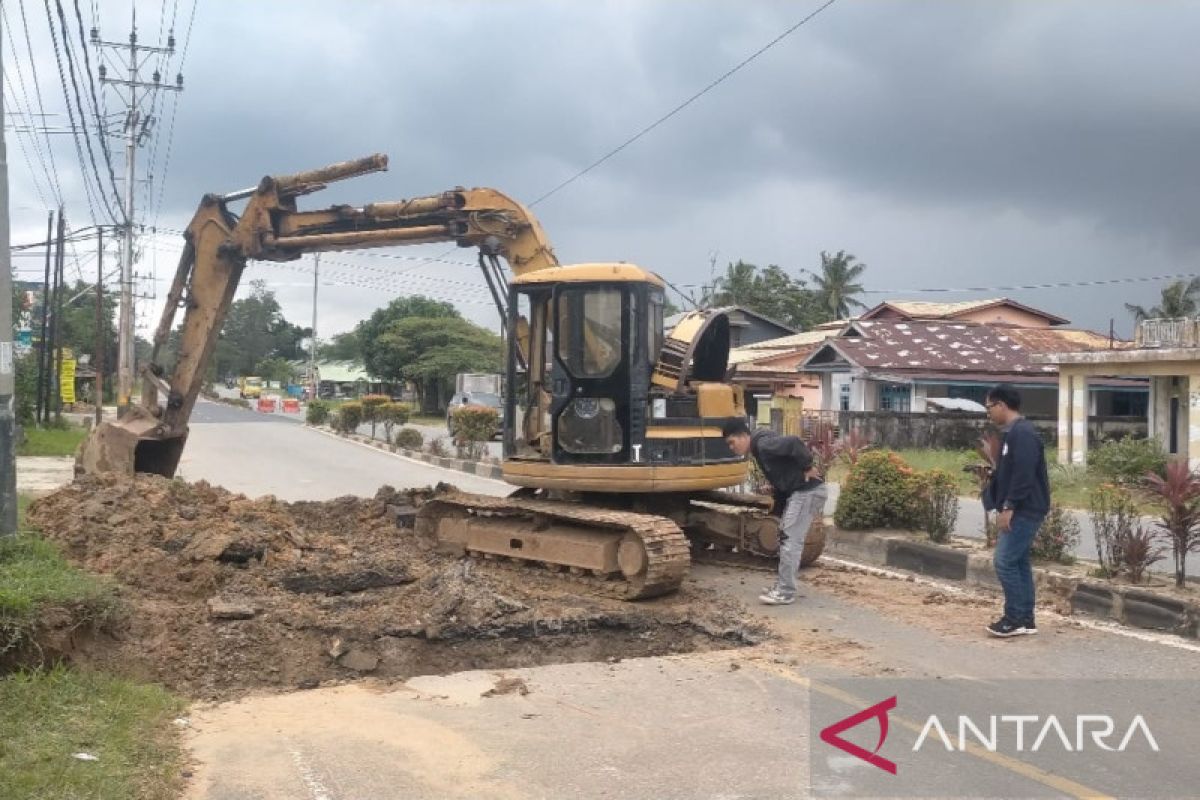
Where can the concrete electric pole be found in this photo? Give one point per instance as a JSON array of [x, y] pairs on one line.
[[8, 421], [133, 92]]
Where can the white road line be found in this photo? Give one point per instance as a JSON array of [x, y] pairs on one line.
[[316, 789]]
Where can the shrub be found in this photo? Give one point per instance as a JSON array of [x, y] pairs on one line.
[[409, 439], [1140, 551], [938, 504], [436, 447], [317, 412], [1128, 460], [1056, 539], [881, 491], [349, 417], [371, 404], [473, 427], [1113, 516], [1179, 495], [390, 415]]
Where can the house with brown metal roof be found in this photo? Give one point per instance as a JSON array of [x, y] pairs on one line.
[[899, 365]]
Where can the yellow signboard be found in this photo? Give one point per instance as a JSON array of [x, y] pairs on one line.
[[66, 380]]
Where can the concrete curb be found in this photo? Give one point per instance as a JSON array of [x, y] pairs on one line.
[[482, 469], [1136, 607]]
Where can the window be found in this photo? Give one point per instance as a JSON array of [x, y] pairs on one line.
[[844, 397], [895, 397], [654, 327], [589, 331], [1130, 404]]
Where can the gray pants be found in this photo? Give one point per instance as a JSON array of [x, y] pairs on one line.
[[798, 515]]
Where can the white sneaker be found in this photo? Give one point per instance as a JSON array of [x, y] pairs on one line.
[[774, 598]]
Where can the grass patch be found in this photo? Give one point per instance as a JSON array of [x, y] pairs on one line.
[[47, 716], [51, 441], [35, 578]]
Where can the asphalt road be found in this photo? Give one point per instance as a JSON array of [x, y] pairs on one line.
[[726, 724], [259, 454]]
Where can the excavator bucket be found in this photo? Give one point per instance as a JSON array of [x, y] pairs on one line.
[[128, 446]]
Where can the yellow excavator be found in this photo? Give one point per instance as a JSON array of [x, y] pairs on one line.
[[612, 428]]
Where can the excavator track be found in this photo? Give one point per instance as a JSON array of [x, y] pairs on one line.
[[621, 554]]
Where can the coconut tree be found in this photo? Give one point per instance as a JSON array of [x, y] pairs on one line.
[[836, 285], [1179, 299]]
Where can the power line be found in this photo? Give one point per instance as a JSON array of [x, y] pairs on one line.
[[51, 176], [1058, 285], [187, 40], [71, 113], [714, 84], [112, 175], [37, 87]]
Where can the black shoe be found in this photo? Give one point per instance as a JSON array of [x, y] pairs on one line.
[[1030, 626], [1005, 627]]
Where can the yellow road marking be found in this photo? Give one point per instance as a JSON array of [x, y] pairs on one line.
[[1036, 774]]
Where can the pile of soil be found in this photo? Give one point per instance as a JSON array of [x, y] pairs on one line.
[[224, 593]]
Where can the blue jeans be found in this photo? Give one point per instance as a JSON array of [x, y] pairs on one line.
[[1013, 568]]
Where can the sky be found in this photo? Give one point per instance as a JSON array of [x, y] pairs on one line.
[[946, 145]]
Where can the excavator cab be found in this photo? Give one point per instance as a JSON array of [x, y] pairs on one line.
[[599, 401]]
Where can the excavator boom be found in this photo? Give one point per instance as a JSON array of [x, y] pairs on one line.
[[150, 435]]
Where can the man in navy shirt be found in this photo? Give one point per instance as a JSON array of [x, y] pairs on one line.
[[1019, 490]]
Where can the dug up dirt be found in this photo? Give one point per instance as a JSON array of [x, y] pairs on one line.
[[223, 594]]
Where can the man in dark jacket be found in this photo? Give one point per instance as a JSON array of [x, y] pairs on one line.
[[787, 464], [1019, 490]]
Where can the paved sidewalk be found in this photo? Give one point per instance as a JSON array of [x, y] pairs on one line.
[[41, 475]]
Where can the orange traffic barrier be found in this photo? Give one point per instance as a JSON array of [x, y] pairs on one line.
[[291, 405], [266, 404]]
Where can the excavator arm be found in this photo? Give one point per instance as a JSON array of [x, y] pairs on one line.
[[150, 435]]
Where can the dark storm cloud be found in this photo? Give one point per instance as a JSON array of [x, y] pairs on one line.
[[989, 128]]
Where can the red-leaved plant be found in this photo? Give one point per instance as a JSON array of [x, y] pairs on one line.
[[824, 446], [853, 445], [1179, 494]]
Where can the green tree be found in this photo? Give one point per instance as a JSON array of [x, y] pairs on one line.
[[255, 330], [342, 347], [836, 284], [769, 291], [376, 358], [430, 351], [275, 369], [1178, 299]]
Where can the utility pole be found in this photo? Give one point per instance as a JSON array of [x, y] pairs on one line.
[[133, 91], [8, 420], [43, 351], [59, 291], [99, 358], [312, 347]]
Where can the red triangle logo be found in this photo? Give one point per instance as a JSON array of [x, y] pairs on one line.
[[878, 711]]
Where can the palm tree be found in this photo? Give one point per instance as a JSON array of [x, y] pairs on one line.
[[835, 285], [1178, 300]]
